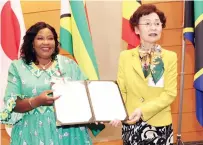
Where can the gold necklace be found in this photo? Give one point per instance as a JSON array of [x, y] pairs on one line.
[[44, 66]]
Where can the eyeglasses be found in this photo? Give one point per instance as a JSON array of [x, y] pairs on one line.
[[149, 24]]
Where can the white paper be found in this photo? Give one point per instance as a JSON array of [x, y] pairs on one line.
[[73, 105], [106, 101], [159, 84]]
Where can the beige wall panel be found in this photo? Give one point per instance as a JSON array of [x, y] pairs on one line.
[[51, 17], [31, 6], [177, 50], [175, 105], [173, 12], [2, 126], [105, 24], [188, 84], [115, 142], [189, 60], [155, 2], [189, 122], [189, 57], [191, 136], [171, 37], [108, 134], [188, 102], [5, 139]]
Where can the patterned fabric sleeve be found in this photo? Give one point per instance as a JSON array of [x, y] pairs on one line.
[[79, 75], [69, 66], [13, 90]]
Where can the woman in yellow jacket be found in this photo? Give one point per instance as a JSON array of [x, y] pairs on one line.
[[147, 77]]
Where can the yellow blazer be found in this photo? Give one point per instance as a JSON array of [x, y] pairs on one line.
[[153, 101]]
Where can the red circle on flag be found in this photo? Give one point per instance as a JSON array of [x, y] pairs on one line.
[[10, 32]]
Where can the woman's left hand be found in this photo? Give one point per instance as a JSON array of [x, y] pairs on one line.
[[115, 123], [135, 116]]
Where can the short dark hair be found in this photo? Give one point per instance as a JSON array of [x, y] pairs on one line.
[[27, 51], [146, 9]]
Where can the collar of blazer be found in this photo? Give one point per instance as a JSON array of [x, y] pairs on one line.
[[136, 63]]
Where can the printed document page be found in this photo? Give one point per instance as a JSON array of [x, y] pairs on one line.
[[73, 106], [106, 101]]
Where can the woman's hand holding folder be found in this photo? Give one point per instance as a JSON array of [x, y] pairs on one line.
[[134, 117]]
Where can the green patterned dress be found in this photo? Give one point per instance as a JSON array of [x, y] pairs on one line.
[[38, 126]]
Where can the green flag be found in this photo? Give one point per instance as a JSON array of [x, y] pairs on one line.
[[75, 36]]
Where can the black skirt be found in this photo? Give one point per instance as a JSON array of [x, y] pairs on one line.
[[142, 133]]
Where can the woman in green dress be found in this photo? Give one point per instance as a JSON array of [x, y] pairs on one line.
[[27, 106]]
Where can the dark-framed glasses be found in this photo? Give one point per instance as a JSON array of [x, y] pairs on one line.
[[149, 24]]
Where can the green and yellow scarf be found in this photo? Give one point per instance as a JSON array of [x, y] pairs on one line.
[[151, 61]]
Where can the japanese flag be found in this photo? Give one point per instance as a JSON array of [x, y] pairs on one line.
[[12, 29]]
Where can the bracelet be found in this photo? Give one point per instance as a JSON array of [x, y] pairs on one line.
[[29, 101]]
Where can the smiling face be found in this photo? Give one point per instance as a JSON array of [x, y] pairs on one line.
[[149, 28], [44, 44]]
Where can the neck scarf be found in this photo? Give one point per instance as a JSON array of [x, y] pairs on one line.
[[152, 63]]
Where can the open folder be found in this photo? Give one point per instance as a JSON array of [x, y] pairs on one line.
[[84, 102]]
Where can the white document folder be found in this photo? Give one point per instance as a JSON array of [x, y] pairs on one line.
[[83, 102]]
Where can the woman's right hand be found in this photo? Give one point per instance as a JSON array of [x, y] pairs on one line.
[[44, 100], [115, 123]]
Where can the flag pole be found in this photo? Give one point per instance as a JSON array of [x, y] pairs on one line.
[[179, 141]]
